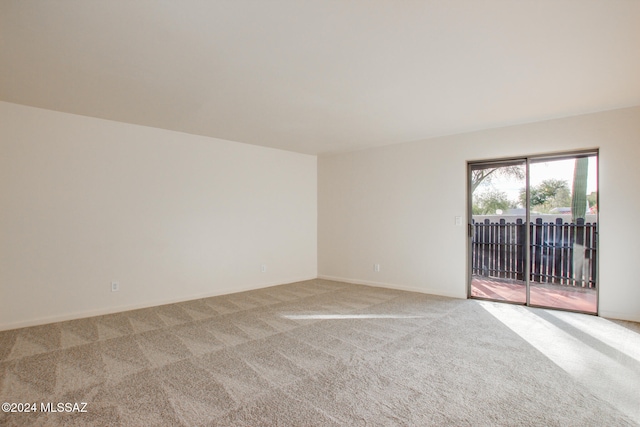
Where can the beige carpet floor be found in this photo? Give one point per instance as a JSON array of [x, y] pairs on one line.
[[322, 353]]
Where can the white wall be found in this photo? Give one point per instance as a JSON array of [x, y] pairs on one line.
[[170, 216], [395, 205]]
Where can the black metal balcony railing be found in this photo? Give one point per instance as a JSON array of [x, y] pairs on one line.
[[561, 253]]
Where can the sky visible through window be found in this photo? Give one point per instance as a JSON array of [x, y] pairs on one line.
[[556, 169]]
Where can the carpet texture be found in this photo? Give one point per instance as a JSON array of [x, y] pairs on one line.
[[315, 353]]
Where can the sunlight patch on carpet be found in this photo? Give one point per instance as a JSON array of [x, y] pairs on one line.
[[599, 364], [606, 331]]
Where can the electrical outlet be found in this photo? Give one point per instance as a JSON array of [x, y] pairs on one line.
[[458, 220], [263, 268], [376, 268], [115, 286]]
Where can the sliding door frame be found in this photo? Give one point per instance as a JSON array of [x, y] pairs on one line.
[[527, 160]]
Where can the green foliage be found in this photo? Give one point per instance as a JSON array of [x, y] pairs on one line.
[[550, 193], [592, 198], [488, 203]]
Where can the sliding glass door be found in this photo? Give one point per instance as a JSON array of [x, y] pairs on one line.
[[564, 210], [498, 231], [533, 231]]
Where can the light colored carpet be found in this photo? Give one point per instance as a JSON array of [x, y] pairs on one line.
[[321, 353]]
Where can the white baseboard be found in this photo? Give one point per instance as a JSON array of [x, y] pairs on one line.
[[421, 290], [123, 308]]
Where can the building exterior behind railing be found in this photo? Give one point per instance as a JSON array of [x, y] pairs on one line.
[[562, 252]]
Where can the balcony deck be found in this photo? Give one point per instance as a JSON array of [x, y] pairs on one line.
[[542, 294]]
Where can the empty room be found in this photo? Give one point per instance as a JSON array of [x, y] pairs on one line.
[[319, 213]]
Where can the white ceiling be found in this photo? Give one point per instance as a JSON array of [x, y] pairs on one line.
[[318, 76]]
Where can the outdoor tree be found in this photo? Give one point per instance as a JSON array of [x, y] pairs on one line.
[[479, 176], [490, 202], [550, 193], [592, 198]]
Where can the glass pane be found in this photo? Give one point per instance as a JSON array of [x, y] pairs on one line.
[[498, 232], [564, 195]]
